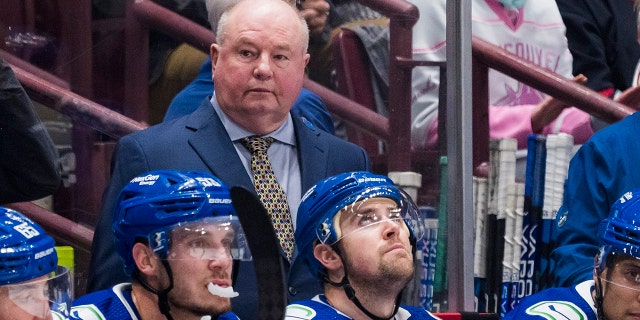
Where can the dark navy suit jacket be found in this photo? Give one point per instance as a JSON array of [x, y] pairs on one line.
[[200, 142]]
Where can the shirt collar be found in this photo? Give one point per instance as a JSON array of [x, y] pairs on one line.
[[285, 133]]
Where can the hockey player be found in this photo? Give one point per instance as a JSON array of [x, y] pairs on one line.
[[614, 292], [32, 285], [178, 234], [357, 232]]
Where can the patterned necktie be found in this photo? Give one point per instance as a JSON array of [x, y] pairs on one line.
[[270, 192]]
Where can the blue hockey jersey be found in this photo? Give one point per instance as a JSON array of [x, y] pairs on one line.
[[113, 304], [569, 303], [318, 308]]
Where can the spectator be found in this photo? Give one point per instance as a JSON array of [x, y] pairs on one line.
[[172, 63], [32, 285], [534, 31], [342, 13], [177, 234], [357, 233], [258, 64], [30, 166], [308, 104], [602, 39], [612, 291]]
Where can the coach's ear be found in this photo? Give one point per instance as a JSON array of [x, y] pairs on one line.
[[214, 53]]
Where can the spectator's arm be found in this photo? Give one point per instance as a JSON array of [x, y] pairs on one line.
[[549, 109]]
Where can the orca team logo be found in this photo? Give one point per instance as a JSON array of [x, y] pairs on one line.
[[563, 217], [89, 311], [557, 310], [300, 312]]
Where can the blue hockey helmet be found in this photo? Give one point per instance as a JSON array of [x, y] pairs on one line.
[[29, 264], [321, 203], [26, 251], [620, 232], [156, 204]]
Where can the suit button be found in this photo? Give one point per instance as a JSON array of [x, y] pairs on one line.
[[293, 291]]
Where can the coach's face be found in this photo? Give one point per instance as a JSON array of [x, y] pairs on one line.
[[258, 68]]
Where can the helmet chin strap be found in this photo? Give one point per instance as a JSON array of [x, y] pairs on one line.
[[351, 294], [163, 301], [598, 299]]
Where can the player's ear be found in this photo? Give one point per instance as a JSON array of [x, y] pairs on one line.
[[146, 260], [327, 257]]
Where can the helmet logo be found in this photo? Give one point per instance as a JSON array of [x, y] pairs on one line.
[[220, 201], [44, 253], [627, 196], [372, 179], [208, 182], [26, 230], [324, 229], [157, 239], [149, 179]]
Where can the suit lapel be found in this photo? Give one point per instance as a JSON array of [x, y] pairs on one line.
[[312, 152], [212, 144]]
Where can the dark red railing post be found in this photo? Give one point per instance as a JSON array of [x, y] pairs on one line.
[[480, 97], [136, 69], [402, 16]]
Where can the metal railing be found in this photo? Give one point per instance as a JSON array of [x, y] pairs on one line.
[[549, 82], [75, 234]]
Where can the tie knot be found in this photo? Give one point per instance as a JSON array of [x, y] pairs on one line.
[[257, 143]]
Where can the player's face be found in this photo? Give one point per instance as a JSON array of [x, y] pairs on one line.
[[621, 290], [375, 243], [198, 257], [25, 301]]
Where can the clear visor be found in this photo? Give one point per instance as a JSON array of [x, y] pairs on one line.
[[47, 297], [209, 239], [625, 271], [374, 212]]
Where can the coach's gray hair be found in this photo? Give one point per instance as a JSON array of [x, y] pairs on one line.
[[222, 19], [215, 9]]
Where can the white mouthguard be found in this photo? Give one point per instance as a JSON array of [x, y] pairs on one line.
[[217, 290]]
